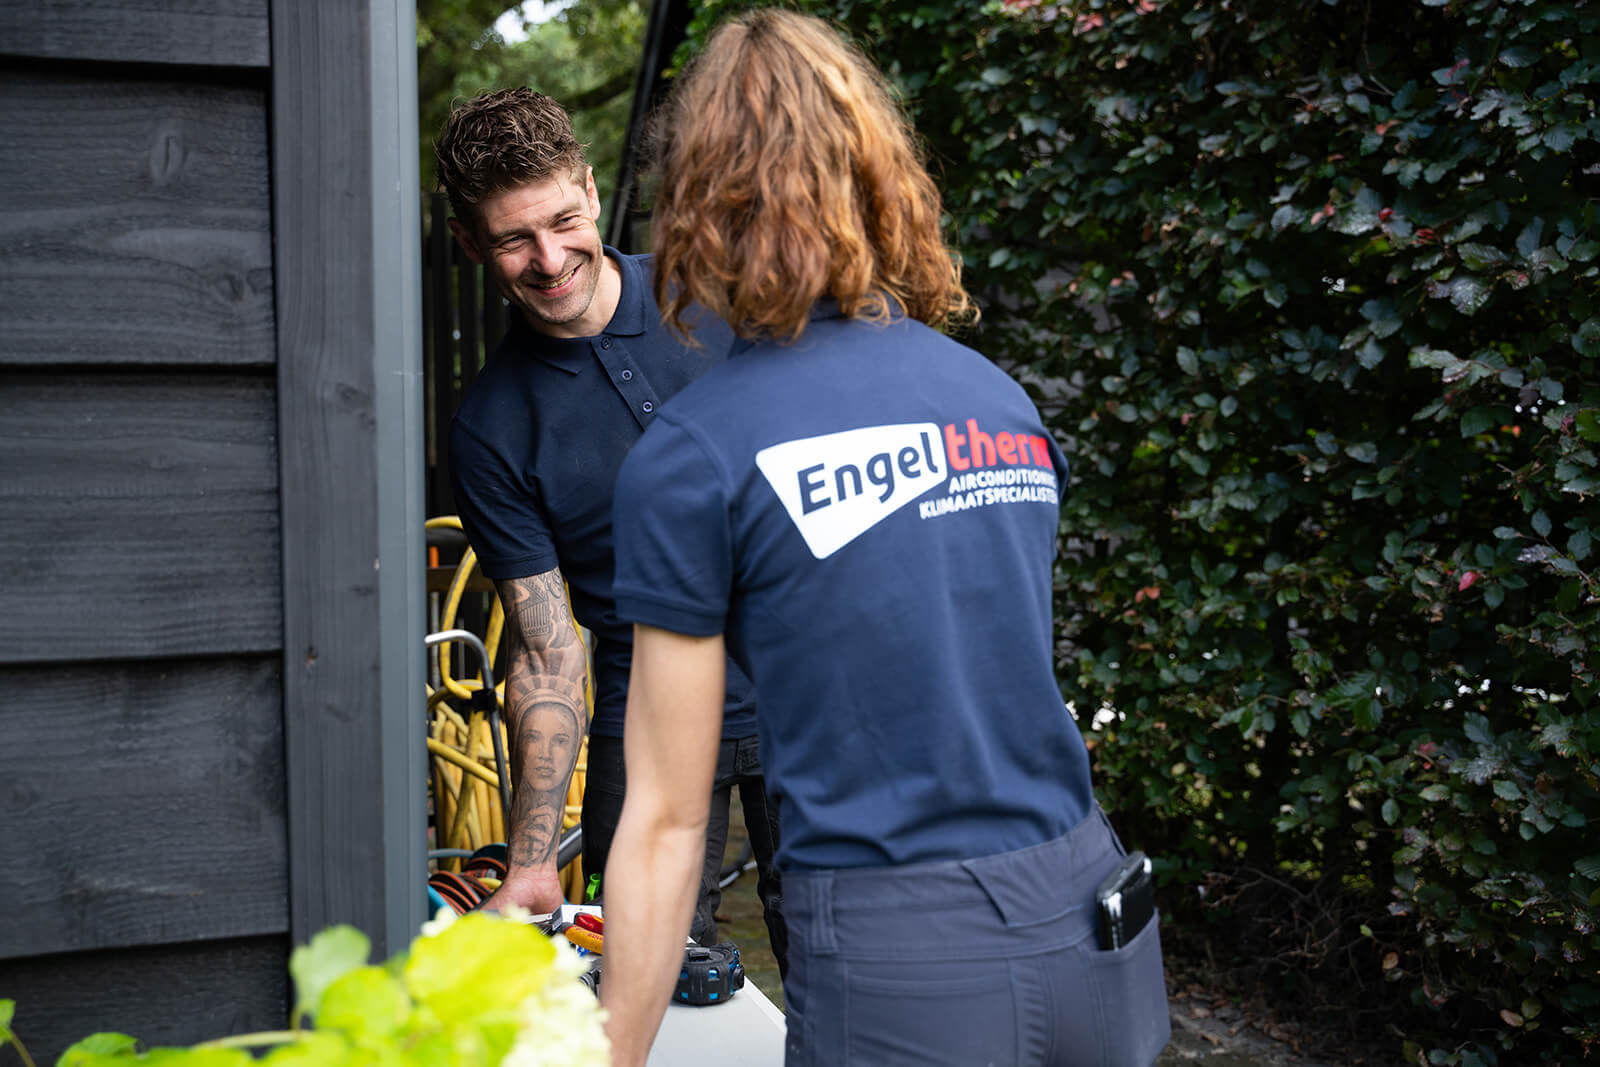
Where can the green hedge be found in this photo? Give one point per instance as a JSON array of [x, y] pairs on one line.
[[1308, 291]]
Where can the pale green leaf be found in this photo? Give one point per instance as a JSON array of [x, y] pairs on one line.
[[316, 965], [365, 1003], [479, 963]]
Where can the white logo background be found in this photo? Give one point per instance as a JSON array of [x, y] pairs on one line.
[[891, 465]]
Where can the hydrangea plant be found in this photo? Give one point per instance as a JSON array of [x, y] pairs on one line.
[[481, 989]]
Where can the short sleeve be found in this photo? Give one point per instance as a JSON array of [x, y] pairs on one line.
[[503, 520], [673, 545], [1059, 460]]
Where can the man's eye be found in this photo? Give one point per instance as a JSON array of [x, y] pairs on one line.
[[510, 244]]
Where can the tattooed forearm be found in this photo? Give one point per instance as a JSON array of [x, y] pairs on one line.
[[546, 712]]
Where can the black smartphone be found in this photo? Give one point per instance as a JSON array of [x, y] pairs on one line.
[[1125, 901]]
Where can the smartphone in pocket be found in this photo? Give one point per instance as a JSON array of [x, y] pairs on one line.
[[1125, 901]]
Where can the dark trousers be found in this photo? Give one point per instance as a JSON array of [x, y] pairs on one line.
[[992, 960], [738, 764]]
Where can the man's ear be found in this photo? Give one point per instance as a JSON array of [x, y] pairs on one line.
[[594, 196], [468, 243]]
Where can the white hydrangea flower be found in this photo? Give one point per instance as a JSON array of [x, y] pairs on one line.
[[562, 1024], [441, 921]]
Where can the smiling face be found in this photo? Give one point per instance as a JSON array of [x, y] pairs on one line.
[[542, 242]]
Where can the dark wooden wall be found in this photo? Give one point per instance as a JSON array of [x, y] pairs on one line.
[[158, 770]]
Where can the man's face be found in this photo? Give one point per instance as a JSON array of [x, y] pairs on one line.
[[549, 746], [542, 242]]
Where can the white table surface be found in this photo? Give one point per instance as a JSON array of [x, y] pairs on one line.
[[745, 1031]]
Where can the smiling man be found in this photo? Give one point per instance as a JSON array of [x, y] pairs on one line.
[[535, 450]]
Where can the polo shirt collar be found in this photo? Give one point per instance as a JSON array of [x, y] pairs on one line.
[[826, 308], [571, 354]]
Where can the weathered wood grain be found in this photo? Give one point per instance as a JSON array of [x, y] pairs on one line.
[[227, 33], [138, 515], [135, 221], [141, 804], [171, 995], [350, 409]]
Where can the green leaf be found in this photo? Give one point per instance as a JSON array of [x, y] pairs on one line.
[[1476, 727], [105, 1045], [1541, 524], [1579, 545], [1588, 866], [1480, 257], [1468, 293], [1507, 790], [1528, 239], [8, 1011], [1505, 533], [1362, 452], [995, 75], [319, 963], [480, 963], [1390, 811], [1383, 316], [365, 1003], [1477, 420], [1370, 354]]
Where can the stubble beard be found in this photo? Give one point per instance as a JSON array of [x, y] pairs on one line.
[[569, 308]]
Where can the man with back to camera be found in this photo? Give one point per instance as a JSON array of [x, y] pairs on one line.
[[535, 449]]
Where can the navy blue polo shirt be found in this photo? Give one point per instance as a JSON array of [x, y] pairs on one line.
[[869, 516], [534, 454]]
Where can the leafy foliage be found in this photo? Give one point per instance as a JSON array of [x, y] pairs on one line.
[[479, 990], [1307, 288]]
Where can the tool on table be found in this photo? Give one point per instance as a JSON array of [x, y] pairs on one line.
[[710, 975]]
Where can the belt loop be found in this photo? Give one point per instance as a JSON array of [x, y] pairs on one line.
[[824, 941]]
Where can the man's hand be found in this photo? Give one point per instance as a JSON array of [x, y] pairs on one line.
[[536, 889], [546, 716]]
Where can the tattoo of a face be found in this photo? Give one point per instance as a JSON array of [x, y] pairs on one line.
[[546, 711]]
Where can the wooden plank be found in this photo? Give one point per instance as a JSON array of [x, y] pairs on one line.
[[142, 804], [171, 995], [140, 515], [222, 33], [134, 221], [345, 209]]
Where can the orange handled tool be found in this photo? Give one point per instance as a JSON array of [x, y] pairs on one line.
[[586, 939]]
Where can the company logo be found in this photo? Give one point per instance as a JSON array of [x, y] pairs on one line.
[[838, 486]]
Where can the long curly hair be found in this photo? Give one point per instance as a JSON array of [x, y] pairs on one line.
[[785, 173]]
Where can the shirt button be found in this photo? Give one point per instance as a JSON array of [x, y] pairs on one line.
[[648, 407], [627, 375], [605, 342]]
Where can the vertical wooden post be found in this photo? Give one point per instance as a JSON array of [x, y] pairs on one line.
[[345, 210]]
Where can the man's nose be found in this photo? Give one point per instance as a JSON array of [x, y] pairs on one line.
[[548, 257]]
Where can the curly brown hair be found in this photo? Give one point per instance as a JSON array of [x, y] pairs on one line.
[[786, 172], [502, 140]]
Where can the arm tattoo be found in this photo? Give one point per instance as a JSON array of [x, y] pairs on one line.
[[546, 712]]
